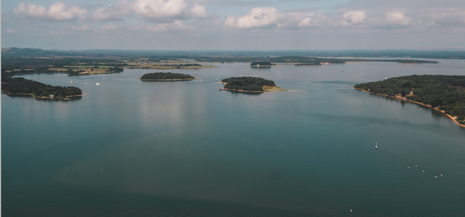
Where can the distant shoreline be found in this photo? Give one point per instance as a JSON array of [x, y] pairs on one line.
[[419, 103]]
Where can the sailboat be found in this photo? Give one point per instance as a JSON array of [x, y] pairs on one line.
[[376, 146]]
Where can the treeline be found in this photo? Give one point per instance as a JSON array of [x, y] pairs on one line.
[[442, 91], [246, 83], [20, 66], [21, 86], [166, 76], [33, 63], [264, 63], [303, 60]]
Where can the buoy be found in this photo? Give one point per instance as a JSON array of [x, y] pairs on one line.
[[435, 177], [441, 174], [97, 83], [423, 171], [408, 167], [102, 169], [85, 82], [416, 165], [350, 210], [70, 81]]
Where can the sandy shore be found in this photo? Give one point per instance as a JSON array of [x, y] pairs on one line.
[[419, 103]]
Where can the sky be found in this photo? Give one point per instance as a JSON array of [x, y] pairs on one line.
[[234, 24]]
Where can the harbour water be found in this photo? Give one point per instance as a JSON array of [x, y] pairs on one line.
[[132, 148]]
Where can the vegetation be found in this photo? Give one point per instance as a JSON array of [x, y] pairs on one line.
[[166, 76], [303, 60], [21, 86], [443, 92], [247, 84], [261, 64]]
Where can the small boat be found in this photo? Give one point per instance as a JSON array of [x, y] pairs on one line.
[[376, 146]]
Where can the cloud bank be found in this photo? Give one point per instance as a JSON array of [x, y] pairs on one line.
[[151, 10]]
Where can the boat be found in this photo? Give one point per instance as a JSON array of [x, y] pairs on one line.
[[376, 146]]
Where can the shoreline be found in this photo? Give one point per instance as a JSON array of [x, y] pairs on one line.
[[418, 103], [41, 97], [188, 79], [166, 67]]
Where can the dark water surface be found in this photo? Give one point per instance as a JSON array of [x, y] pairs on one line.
[[187, 149]]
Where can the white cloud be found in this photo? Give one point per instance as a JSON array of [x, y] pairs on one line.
[[154, 10], [108, 27], [268, 17], [114, 12], [160, 8], [177, 25], [398, 18], [57, 11], [199, 11], [355, 17], [256, 18]]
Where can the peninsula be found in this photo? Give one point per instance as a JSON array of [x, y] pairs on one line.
[[24, 87], [166, 76], [250, 85], [443, 93]]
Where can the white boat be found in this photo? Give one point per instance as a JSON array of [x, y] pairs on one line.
[[97, 83], [376, 146]]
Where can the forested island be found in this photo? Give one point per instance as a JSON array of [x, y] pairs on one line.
[[24, 87], [250, 84], [166, 76], [441, 92], [261, 65]]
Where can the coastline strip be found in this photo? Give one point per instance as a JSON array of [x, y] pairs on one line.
[[419, 103]]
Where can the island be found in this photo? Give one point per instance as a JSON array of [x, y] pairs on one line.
[[261, 65], [444, 93], [23, 87], [166, 76], [250, 85]]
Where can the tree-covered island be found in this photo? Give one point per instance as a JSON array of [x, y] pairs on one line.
[[263, 64], [250, 85], [24, 87], [166, 76], [441, 92]]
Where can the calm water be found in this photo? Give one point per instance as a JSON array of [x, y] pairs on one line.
[[187, 149]]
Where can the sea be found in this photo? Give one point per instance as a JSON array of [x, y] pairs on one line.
[[133, 148]]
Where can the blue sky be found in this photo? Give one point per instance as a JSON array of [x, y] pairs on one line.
[[234, 24]]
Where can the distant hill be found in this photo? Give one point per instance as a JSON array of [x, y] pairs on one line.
[[220, 56]]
